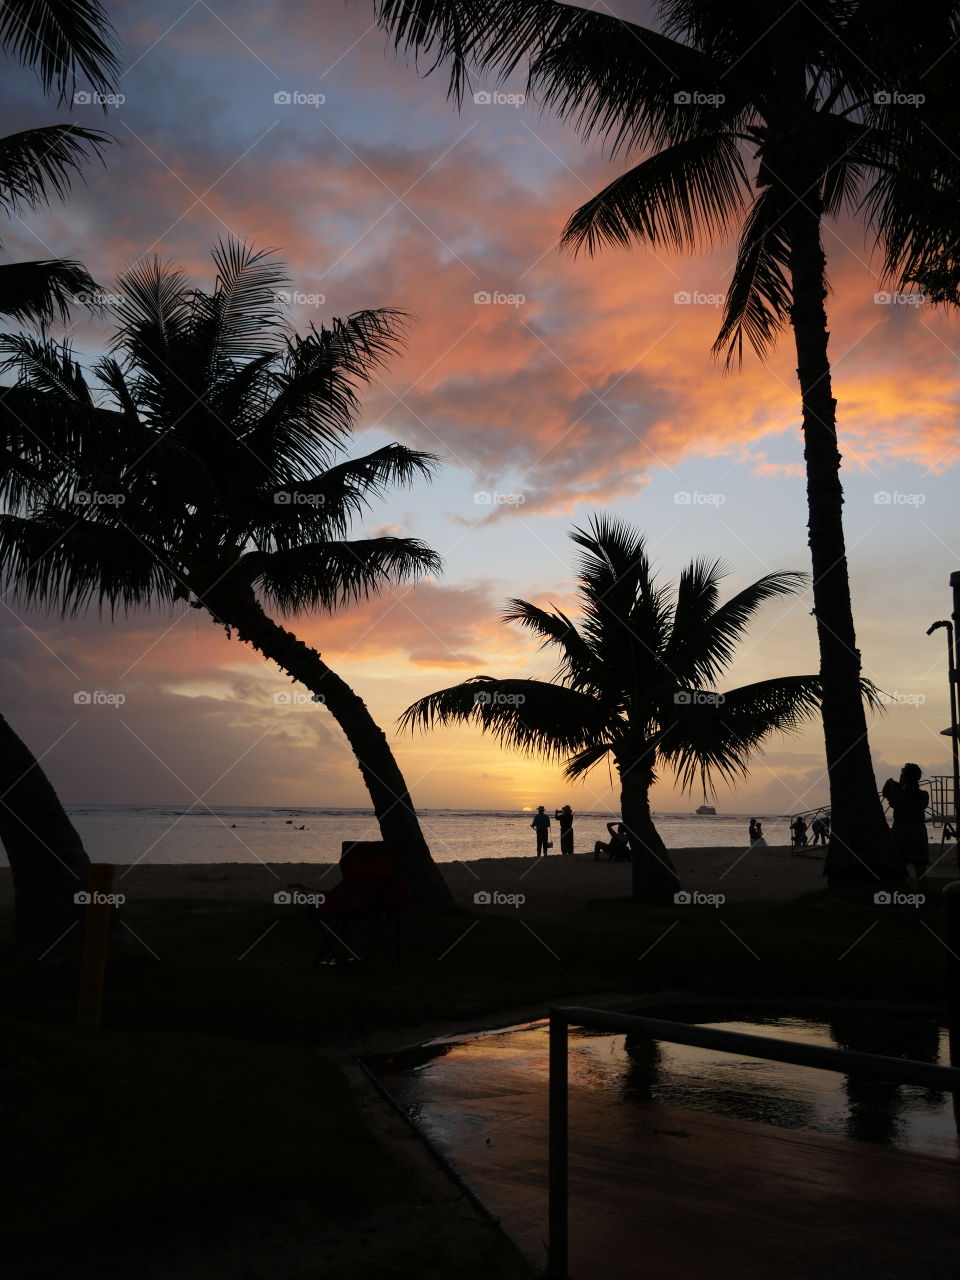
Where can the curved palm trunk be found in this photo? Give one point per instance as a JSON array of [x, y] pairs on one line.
[[860, 849], [381, 773], [47, 858], [654, 878]]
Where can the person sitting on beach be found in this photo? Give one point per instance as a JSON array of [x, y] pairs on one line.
[[909, 804], [541, 825], [565, 817], [618, 847]]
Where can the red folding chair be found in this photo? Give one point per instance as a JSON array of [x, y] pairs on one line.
[[360, 915]]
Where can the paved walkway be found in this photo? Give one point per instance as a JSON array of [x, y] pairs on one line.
[[658, 1194]]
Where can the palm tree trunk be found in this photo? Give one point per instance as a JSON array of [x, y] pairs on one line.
[[860, 849], [381, 773], [47, 858], [654, 878]]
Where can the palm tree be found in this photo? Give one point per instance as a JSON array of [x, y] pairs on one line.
[[636, 682], [215, 472], [58, 39], [771, 117]]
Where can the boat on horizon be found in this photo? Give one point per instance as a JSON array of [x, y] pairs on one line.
[[706, 811]]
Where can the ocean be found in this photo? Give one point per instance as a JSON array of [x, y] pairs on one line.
[[124, 834]]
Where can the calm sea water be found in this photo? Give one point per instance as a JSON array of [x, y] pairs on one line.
[[168, 833]]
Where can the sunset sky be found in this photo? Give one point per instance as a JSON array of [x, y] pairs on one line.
[[591, 388]]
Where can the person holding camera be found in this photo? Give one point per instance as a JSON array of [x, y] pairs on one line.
[[909, 806]]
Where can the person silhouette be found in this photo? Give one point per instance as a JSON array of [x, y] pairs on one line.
[[909, 805], [618, 847], [565, 817], [755, 832], [541, 825]]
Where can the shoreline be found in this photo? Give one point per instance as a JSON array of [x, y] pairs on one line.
[[550, 885]]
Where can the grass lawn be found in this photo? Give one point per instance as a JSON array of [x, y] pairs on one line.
[[204, 1124]]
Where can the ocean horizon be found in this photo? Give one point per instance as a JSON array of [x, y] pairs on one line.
[[157, 833]]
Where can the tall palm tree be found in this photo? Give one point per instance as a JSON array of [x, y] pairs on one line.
[[768, 116], [215, 472], [59, 39], [636, 682]]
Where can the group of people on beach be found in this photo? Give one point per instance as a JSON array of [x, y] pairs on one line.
[[617, 848], [905, 798]]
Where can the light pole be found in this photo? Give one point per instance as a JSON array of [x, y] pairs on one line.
[[953, 666]]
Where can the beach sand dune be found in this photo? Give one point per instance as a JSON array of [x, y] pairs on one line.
[[550, 885]]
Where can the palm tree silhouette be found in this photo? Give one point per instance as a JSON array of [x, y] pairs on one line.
[[636, 683], [216, 473], [819, 104], [58, 41]]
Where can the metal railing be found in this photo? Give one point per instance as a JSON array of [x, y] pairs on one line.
[[940, 812], [804, 1055]]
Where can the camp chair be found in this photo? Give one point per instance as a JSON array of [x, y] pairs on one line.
[[360, 915]]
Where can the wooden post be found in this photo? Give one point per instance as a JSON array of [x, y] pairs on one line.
[[96, 932], [951, 902], [557, 1230]]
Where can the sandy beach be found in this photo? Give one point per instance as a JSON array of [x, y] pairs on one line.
[[550, 885]]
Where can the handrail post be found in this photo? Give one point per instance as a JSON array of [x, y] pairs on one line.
[[557, 1261], [951, 903]]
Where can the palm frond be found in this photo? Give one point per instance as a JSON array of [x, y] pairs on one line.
[[532, 716], [578, 662], [59, 39], [757, 305], [329, 574], [684, 197], [242, 315], [38, 165], [38, 293]]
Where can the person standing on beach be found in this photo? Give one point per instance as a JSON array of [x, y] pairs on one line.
[[821, 829], [909, 805], [565, 817], [541, 825], [756, 835]]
